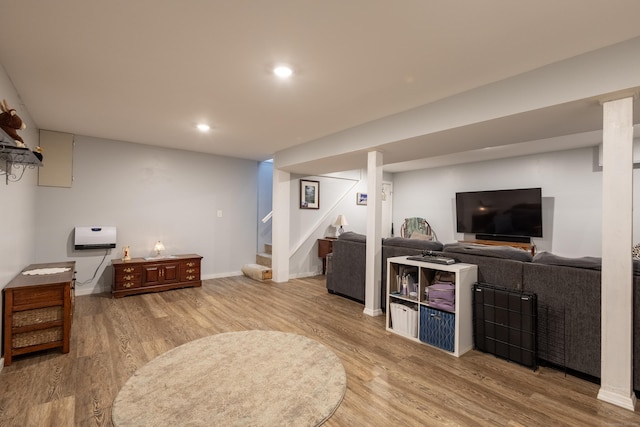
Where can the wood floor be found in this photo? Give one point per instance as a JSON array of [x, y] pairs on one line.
[[391, 381]]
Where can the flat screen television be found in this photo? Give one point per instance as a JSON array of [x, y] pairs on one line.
[[493, 214]]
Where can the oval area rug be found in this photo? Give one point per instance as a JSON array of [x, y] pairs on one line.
[[249, 378]]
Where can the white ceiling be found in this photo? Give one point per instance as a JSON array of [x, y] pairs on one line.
[[147, 71]]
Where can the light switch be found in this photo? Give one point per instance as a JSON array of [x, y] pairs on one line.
[[219, 214]]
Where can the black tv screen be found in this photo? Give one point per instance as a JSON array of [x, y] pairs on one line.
[[500, 212]]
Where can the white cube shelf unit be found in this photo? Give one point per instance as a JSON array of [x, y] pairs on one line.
[[410, 315]]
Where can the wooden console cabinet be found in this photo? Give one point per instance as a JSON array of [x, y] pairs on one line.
[[325, 247], [38, 310], [140, 275]]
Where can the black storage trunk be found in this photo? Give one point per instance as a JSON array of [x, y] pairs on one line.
[[504, 323]]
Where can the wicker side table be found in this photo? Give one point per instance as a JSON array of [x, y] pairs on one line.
[[38, 310]]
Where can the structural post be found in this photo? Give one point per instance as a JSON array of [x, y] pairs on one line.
[[617, 274], [374, 235], [280, 230]]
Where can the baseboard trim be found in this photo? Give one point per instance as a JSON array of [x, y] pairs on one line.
[[623, 401], [373, 312]]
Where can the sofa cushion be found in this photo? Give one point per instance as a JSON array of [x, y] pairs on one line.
[[353, 237], [506, 252], [425, 245], [591, 263], [588, 262]]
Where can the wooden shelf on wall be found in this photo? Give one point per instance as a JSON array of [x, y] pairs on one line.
[[16, 157]]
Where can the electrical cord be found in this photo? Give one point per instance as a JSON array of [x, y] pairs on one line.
[[95, 272]]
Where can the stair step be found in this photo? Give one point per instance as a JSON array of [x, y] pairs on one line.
[[257, 272], [268, 248], [263, 259]]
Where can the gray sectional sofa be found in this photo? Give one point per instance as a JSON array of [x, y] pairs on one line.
[[568, 292]]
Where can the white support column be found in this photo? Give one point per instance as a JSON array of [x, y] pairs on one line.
[[280, 230], [617, 274], [374, 235]]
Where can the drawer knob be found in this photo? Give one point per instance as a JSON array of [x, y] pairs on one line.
[[128, 277], [128, 270], [128, 285], [191, 264], [191, 270], [191, 277]]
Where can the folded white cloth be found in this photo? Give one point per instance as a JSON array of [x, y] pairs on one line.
[[52, 270]]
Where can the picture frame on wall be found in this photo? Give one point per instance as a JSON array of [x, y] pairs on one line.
[[361, 198], [309, 194]]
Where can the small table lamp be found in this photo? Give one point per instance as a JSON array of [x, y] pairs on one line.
[[158, 247], [340, 221]]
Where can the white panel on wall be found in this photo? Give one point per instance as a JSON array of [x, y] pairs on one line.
[[57, 165]]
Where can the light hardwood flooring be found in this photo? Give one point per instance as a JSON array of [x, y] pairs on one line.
[[391, 381]]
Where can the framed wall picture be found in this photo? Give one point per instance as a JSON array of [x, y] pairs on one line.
[[361, 198], [309, 194]]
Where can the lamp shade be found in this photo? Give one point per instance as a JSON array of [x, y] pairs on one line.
[[341, 220], [158, 247]]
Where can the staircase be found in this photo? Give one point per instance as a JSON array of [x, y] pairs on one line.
[[261, 270]]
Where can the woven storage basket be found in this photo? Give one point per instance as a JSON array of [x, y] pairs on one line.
[[43, 336], [37, 316]]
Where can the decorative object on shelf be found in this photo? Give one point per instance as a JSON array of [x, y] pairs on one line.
[[340, 221], [38, 152], [416, 224], [158, 248], [361, 198], [13, 151], [10, 122], [635, 251], [309, 194], [126, 256]]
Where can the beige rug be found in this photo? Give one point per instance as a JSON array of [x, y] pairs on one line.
[[251, 378]]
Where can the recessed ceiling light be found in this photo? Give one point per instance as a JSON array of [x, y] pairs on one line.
[[283, 71], [202, 127]]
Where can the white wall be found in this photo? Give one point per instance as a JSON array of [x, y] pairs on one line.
[[18, 199], [337, 196], [571, 191], [265, 204], [150, 194]]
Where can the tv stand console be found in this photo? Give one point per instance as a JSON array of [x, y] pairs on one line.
[[140, 275], [524, 246]]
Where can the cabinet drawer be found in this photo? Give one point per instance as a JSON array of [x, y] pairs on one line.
[[127, 284], [38, 296], [190, 273], [128, 269], [192, 263], [42, 336], [37, 316], [128, 277]]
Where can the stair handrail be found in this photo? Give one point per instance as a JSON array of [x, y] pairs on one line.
[[267, 217]]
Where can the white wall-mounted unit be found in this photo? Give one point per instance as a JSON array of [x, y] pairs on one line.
[[96, 237]]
